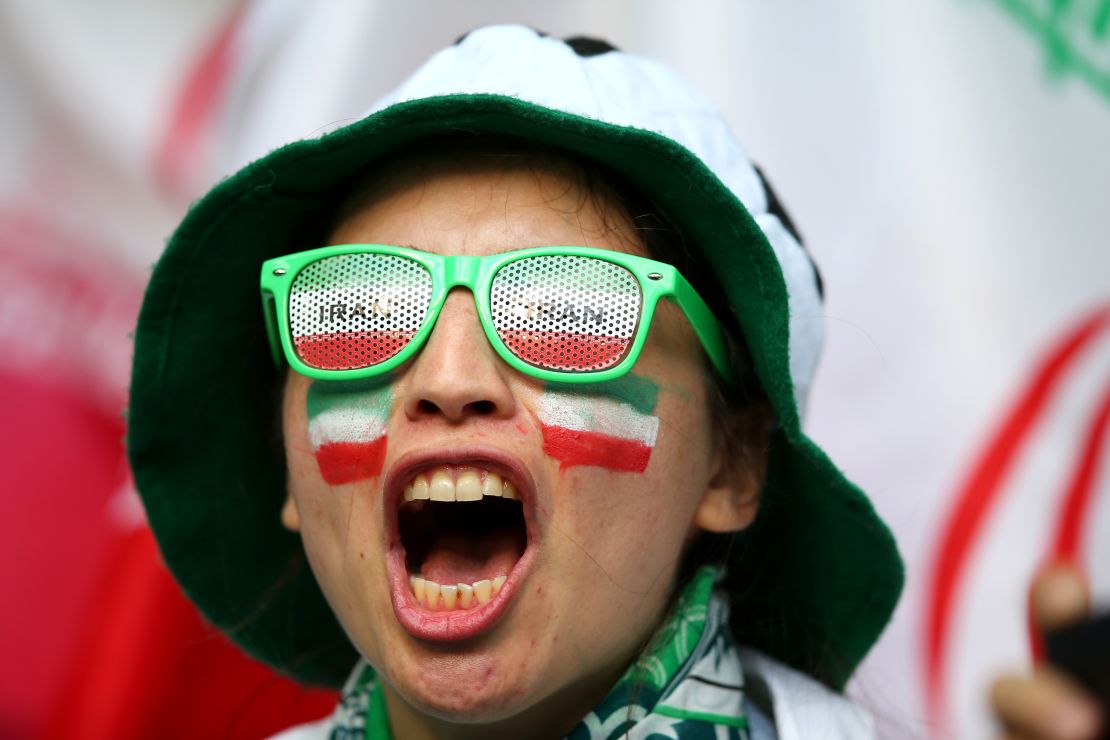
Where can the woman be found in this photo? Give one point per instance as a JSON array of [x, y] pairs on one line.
[[539, 333]]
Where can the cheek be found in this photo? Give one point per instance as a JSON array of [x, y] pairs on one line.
[[627, 531], [347, 430], [611, 426], [334, 520], [619, 539]]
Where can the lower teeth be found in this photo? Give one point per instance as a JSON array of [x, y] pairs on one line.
[[454, 597]]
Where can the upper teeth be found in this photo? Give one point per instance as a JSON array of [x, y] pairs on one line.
[[461, 484]]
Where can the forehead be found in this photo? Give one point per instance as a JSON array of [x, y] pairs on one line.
[[484, 204]]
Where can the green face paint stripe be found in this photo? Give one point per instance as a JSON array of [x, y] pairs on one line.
[[637, 391], [363, 385], [740, 722], [373, 396]]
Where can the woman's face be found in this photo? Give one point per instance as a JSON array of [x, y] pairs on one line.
[[610, 481]]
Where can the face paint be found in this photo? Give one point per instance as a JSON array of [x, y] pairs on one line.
[[347, 428], [608, 425]]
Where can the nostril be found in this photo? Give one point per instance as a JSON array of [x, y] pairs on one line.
[[482, 408], [474, 408]]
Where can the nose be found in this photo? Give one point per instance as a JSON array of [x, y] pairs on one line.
[[457, 375]]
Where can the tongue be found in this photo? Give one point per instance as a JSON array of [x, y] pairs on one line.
[[457, 558]]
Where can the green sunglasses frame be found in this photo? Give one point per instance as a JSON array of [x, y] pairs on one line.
[[657, 280]]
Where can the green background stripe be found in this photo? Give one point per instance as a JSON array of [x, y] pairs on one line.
[[1072, 35]]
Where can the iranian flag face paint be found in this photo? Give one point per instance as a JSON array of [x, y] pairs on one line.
[[609, 425], [347, 428]]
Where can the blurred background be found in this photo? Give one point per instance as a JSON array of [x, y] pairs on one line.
[[947, 162]]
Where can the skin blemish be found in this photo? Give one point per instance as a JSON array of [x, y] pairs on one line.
[[610, 425], [347, 423]]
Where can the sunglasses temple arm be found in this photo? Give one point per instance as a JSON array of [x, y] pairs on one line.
[[270, 317], [705, 325]]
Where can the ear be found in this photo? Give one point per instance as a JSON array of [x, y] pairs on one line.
[[290, 517], [731, 498]]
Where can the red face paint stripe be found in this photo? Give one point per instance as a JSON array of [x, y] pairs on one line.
[[345, 462], [573, 448]]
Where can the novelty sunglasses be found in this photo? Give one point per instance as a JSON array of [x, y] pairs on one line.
[[566, 314]]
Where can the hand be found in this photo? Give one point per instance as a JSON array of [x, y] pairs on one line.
[[1048, 704]]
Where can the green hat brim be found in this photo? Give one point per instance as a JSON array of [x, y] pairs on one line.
[[204, 426]]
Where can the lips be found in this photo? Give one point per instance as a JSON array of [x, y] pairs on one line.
[[461, 539]]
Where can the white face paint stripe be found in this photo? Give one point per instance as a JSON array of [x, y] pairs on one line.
[[345, 425], [600, 415]]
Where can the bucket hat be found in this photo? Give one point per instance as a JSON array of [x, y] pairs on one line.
[[203, 429]]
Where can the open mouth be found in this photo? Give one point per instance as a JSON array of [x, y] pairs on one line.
[[462, 531]]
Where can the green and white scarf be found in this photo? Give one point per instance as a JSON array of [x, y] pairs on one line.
[[687, 684]]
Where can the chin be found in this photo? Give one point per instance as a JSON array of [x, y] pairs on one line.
[[467, 691]]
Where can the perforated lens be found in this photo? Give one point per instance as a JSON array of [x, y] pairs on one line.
[[560, 312], [356, 310]]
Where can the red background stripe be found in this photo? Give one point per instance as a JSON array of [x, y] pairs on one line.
[[979, 493]]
